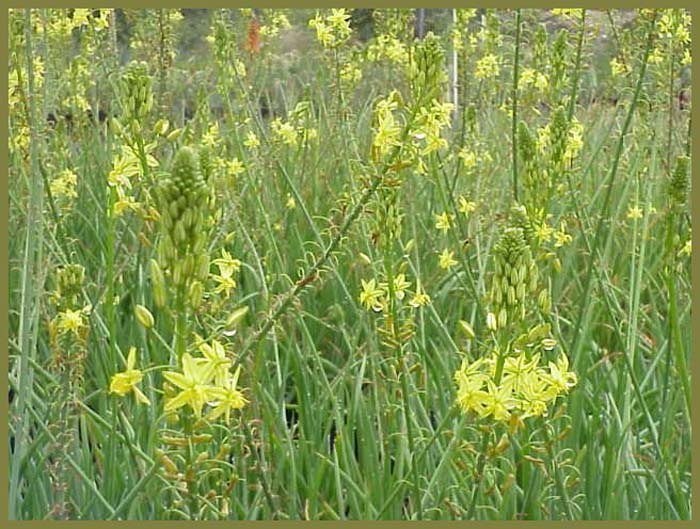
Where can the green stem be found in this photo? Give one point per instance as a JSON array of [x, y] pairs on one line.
[[608, 192], [28, 324], [514, 126]]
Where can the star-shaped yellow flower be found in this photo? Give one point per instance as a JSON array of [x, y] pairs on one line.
[[194, 381], [125, 382], [227, 397]]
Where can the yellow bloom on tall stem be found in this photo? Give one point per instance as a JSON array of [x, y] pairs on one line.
[[125, 382], [215, 355], [227, 397], [194, 381]]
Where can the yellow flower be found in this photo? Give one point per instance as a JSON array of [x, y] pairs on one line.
[[226, 397], [291, 203], [447, 259], [64, 184], [468, 158], [285, 131], [487, 67], [635, 212], [71, 321], [470, 393], [225, 283], [235, 167], [544, 231], [215, 356], [516, 368], [466, 206], [251, 140], [559, 376], [194, 381], [497, 402], [420, 298], [561, 237], [400, 286], [227, 264], [687, 248], [125, 382], [371, 295], [442, 222]]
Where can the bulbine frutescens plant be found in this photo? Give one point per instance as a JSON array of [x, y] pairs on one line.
[[183, 205], [518, 370], [405, 148], [521, 374], [200, 386]]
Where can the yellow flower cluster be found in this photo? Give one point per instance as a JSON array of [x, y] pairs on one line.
[[375, 296], [487, 67], [228, 266], [515, 382], [460, 27], [277, 22], [206, 381], [530, 78], [332, 30], [388, 47], [387, 130], [430, 122], [126, 170], [294, 130], [64, 185]]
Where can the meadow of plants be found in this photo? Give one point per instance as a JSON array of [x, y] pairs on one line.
[[349, 264]]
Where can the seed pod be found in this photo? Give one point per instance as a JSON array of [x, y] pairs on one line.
[[169, 465], [174, 135], [161, 126], [515, 276]]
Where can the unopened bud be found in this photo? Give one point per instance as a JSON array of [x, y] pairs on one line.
[[144, 316]]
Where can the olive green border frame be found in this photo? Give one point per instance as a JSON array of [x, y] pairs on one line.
[[695, 213]]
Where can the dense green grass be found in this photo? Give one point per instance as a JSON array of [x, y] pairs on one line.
[[339, 424]]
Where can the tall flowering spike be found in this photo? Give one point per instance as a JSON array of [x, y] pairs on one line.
[[183, 203], [137, 91], [515, 275], [69, 281], [560, 132], [427, 69], [678, 186], [527, 151]]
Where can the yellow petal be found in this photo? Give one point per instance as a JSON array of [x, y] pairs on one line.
[[176, 378], [141, 397], [131, 359]]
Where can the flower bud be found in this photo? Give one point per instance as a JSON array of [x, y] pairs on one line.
[[144, 316], [196, 294], [491, 322], [159, 291], [502, 317], [235, 318], [466, 329]]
